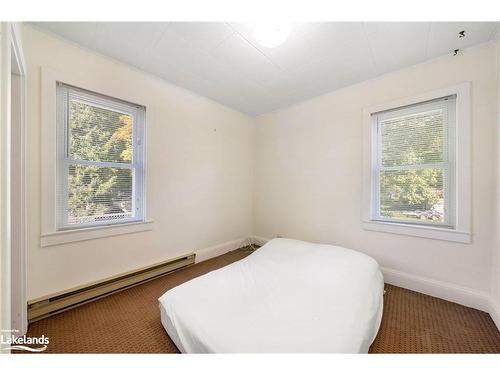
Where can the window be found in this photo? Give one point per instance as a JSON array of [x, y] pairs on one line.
[[417, 178], [100, 163], [414, 164]]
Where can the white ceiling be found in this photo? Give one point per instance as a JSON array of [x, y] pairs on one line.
[[223, 61]]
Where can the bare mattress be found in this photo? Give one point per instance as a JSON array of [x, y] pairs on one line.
[[288, 296]]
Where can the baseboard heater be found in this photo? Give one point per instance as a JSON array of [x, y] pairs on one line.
[[55, 303]]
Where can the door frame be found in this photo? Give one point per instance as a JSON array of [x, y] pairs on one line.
[[19, 315], [5, 74], [13, 249]]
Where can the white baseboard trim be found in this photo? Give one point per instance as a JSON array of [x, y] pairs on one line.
[[256, 240], [495, 312], [220, 249], [440, 289]]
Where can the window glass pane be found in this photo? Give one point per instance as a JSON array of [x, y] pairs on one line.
[[414, 195], [98, 134], [97, 194], [413, 139]]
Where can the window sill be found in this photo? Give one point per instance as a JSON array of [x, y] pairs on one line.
[[75, 235], [443, 234]]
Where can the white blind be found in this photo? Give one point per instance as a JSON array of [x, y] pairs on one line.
[[413, 173], [100, 164]]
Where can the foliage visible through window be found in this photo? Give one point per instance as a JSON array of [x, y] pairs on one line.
[[413, 167], [100, 163]]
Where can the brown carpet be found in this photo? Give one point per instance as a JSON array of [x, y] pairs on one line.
[[129, 321]]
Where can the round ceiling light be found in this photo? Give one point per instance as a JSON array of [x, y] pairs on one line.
[[272, 35]]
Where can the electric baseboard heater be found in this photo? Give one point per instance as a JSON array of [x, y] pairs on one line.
[[43, 307]]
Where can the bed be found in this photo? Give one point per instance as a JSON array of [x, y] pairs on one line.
[[288, 296]]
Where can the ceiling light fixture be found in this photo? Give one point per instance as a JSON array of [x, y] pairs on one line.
[[272, 34]]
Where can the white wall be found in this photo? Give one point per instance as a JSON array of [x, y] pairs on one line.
[[199, 172], [308, 178]]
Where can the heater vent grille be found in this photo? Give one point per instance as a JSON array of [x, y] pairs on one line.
[[52, 304]]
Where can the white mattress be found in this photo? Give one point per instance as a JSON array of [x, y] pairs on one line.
[[288, 296]]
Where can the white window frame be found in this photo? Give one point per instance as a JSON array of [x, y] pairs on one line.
[[458, 229], [447, 165], [65, 94], [51, 231]]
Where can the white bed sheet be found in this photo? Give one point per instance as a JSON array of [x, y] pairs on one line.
[[288, 296]]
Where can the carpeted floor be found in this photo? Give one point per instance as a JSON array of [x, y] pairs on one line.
[[129, 321]]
